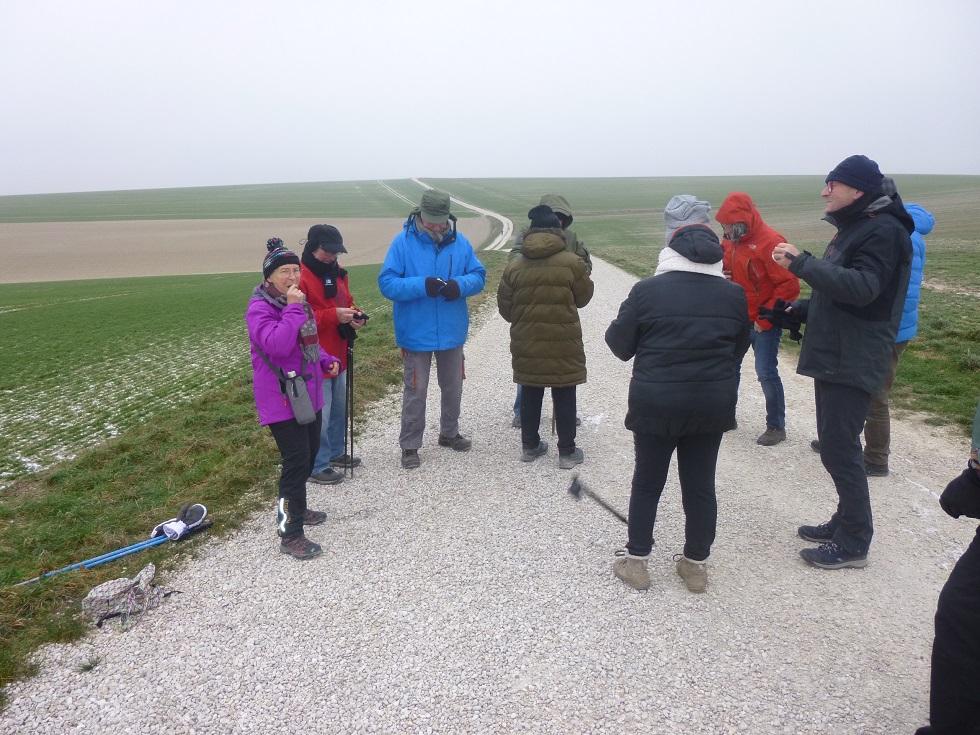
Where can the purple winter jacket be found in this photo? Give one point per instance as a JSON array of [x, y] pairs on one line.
[[276, 331]]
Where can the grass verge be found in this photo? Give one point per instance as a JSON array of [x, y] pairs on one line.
[[210, 450]]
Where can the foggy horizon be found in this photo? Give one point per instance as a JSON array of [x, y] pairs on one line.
[[110, 96]]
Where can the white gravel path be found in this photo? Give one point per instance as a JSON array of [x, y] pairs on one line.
[[473, 596]]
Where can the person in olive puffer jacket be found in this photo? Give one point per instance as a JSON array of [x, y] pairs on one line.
[[540, 294]]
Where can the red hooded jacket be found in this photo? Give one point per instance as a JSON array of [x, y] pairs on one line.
[[325, 311], [750, 259]]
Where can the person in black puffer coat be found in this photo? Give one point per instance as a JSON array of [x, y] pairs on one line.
[[687, 328], [851, 322]]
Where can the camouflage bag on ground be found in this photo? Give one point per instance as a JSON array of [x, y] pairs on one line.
[[124, 598]]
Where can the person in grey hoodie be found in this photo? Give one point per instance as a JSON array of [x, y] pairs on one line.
[[686, 329]]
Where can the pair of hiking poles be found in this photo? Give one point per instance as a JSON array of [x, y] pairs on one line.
[[190, 519]]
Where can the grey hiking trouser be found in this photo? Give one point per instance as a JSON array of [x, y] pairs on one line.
[[450, 373]]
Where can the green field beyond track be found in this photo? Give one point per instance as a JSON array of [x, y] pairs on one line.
[[83, 361]]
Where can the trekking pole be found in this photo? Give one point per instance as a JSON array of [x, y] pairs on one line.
[[126, 552], [131, 549], [577, 489], [349, 401]]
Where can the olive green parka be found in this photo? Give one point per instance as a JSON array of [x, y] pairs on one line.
[[540, 294]]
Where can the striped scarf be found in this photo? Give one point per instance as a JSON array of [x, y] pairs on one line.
[[307, 333]]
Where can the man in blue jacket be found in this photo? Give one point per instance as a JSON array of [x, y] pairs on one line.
[[428, 273], [877, 428]]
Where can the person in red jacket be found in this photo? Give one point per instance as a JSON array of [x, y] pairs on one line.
[[748, 262], [328, 293]]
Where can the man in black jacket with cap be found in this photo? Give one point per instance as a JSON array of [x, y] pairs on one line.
[[851, 321]]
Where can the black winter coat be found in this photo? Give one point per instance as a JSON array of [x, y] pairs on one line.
[[858, 292], [688, 333]]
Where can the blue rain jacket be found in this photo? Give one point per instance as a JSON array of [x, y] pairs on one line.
[[424, 323], [924, 222]]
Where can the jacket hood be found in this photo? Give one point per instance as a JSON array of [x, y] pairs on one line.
[[922, 217], [697, 243], [542, 242], [739, 207]]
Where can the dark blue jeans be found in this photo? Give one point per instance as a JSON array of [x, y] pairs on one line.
[[841, 410], [765, 345]]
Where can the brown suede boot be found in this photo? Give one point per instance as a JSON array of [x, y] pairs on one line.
[[632, 570], [694, 573]]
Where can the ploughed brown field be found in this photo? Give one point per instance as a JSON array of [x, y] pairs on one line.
[[64, 251]]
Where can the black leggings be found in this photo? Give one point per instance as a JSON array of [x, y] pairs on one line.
[[696, 459], [298, 446]]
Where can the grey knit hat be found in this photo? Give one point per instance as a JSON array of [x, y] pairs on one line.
[[683, 210]]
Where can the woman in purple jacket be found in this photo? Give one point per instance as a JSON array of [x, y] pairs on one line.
[[282, 333]]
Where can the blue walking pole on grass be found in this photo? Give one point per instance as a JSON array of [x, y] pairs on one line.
[[190, 519], [96, 560]]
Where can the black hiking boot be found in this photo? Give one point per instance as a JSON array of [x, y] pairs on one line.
[[410, 459], [345, 461], [329, 476], [314, 517], [817, 534], [875, 470], [458, 443], [529, 454], [832, 556], [300, 547]]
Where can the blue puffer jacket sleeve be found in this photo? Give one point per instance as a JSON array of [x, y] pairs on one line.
[[924, 222], [424, 323]]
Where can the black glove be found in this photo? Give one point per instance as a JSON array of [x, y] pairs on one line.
[[451, 290], [785, 315], [434, 285], [962, 496]]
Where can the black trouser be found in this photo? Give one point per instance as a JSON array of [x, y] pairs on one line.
[[697, 456], [298, 446], [563, 402], [841, 411], [954, 692]]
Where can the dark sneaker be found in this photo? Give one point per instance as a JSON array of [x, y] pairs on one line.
[[832, 556], [300, 547], [458, 443], [345, 461], [529, 454], [410, 459], [817, 534], [815, 445], [329, 476], [771, 436], [567, 461], [314, 517], [875, 470], [516, 422]]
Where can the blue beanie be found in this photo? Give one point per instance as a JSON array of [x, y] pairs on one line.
[[858, 171]]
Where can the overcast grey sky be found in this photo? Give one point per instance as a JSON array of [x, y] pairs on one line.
[[122, 94]]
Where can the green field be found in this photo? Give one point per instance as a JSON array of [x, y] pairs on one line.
[[317, 200], [83, 361]]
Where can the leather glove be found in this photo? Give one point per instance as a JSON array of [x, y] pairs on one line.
[[434, 285], [451, 290], [962, 496]]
